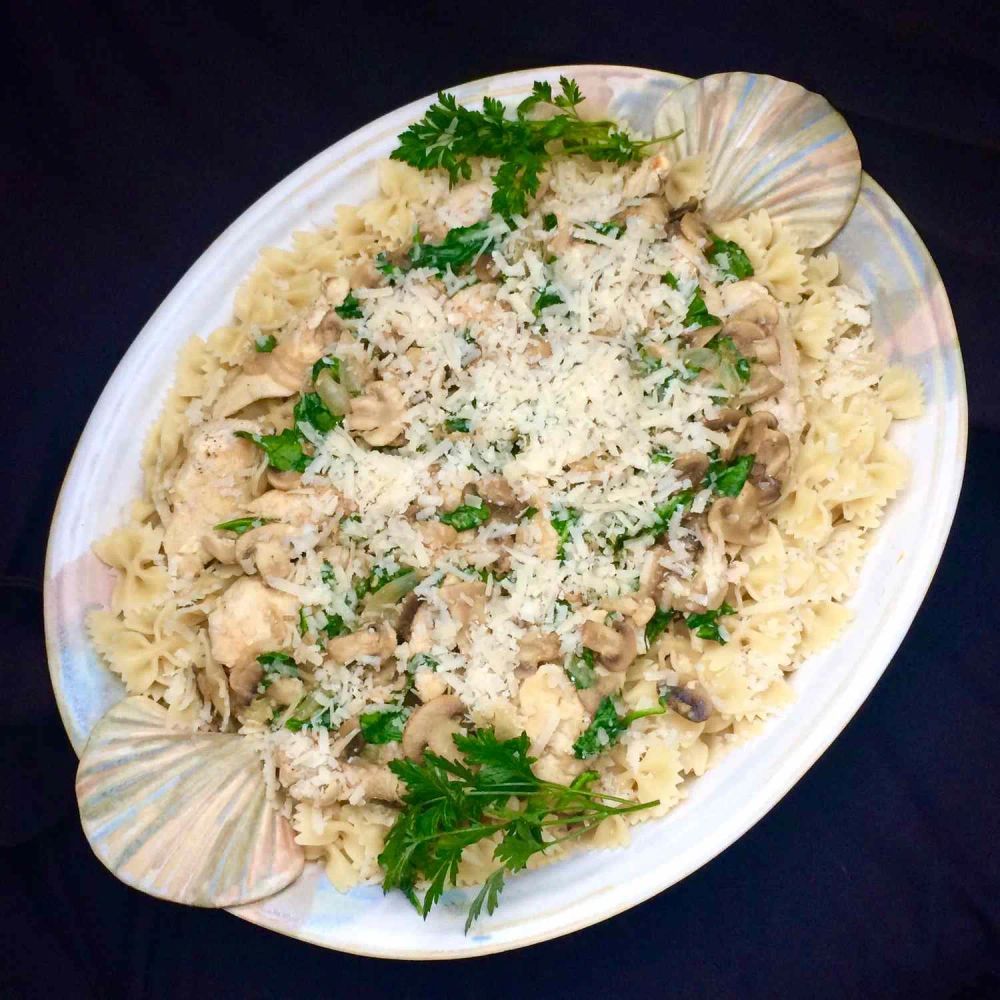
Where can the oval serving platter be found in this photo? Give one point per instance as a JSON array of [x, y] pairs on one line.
[[880, 253]]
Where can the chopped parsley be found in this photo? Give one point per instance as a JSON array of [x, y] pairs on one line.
[[384, 725], [705, 624], [562, 522], [698, 314], [661, 457], [311, 409], [377, 579], [606, 728], [547, 296], [657, 625], [265, 343], [727, 478], [459, 248], [466, 517], [350, 308], [580, 669], [241, 525], [284, 451], [729, 258]]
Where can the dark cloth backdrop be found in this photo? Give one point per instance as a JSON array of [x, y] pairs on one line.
[[138, 135]]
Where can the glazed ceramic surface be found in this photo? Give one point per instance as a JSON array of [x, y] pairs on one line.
[[880, 253]]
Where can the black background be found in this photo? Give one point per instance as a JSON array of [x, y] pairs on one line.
[[139, 135]]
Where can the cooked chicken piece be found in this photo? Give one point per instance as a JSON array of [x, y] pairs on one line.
[[553, 716], [539, 647], [377, 641], [648, 177], [277, 374], [466, 601], [635, 607], [249, 619], [299, 506], [267, 550], [216, 480]]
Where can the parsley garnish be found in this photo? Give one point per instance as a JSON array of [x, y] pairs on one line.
[[451, 805], [607, 727], [705, 625], [729, 258], [276, 665], [327, 364], [241, 525], [284, 451], [698, 314], [561, 523], [265, 343], [385, 725], [728, 478], [449, 136], [580, 669], [460, 247], [311, 409], [614, 229], [466, 517], [547, 296], [657, 625], [350, 308]]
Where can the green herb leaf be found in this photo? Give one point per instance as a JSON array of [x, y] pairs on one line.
[[614, 229], [466, 517], [241, 525], [392, 271], [276, 665], [606, 728], [330, 364], [265, 343], [728, 478], [549, 221], [350, 308], [449, 136], [457, 425], [562, 522], [488, 895], [529, 512], [698, 314], [459, 248], [661, 457], [547, 296], [378, 578], [310, 409], [729, 258], [705, 625], [284, 451], [580, 669], [657, 625], [670, 279], [384, 726]]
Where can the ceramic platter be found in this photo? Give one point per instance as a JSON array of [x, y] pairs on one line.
[[880, 252]]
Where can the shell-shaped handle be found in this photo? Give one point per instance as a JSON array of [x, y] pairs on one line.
[[768, 144], [183, 816]]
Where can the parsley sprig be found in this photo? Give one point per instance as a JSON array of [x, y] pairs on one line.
[[451, 805], [449, 136]]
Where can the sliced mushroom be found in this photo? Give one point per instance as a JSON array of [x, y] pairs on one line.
[[762, 384], [497, 492], [693, 705], [694, 230], [425, 719], [466, 601], [536, 648], [615, 644], [738, 519], [758, 435], [678, 213], [408, 608], [221, 549], [375, 782], [284, 480], [379, 415], [377, 641], [728, 417], [692, 465]]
